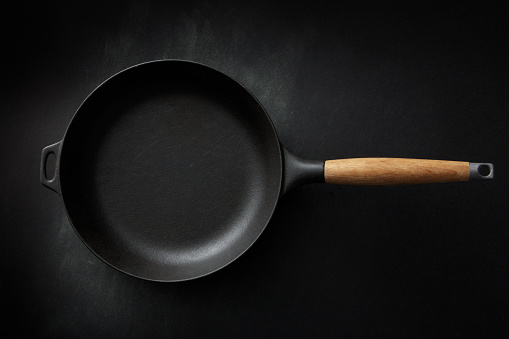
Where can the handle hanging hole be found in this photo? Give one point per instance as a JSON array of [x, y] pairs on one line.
[[484, 170]]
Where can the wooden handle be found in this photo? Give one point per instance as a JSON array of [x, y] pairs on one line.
[[394, 171]]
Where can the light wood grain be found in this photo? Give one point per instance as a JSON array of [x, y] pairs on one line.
[[394, 171]]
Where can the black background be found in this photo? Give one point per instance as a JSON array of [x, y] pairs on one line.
[[339, 79]]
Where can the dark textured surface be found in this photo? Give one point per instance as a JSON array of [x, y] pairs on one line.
[[170, 170], [338, 79]]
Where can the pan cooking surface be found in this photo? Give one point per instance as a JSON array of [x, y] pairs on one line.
[[170, 169]]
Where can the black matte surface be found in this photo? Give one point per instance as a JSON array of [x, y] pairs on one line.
[[170, 170], [338, 79]]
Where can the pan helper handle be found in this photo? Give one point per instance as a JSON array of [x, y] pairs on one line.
[[51, 183], [398, 171]]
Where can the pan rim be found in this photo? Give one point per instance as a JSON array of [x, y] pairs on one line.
[[270, 213]]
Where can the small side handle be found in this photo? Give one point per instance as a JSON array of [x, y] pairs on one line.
[[52, 183]]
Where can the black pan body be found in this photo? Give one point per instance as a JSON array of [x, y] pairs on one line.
[[170, 170]]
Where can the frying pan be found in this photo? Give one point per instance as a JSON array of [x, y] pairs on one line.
[[170, 170]]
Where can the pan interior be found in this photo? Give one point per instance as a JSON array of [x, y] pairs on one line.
[[170, 170]]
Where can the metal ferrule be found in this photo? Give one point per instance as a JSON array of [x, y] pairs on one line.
[[481, 170]]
